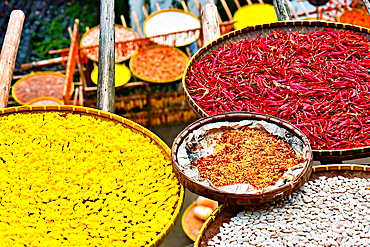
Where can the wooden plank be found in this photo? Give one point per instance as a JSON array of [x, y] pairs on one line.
[[106, 70], [282, 10], [9, 54], [211, 25]]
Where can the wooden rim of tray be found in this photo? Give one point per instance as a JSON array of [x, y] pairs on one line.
[[173, 10], [324, 155], [137, 127], [158, 81], [242, 199], [208, 230], [18, 100], [119, 59]]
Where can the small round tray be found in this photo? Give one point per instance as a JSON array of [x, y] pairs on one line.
[[254, 14], [159, 68], [243, 199], [225, 212], [175, 205], [122, 75], [170, 21], [91, 38], [190, 224], [40, 84], [265, 29], [45, 101]]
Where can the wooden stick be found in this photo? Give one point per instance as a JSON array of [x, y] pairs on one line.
[[71, 63], [304, 8], [261, 1], [106, 90], [211, 25], [227, 9], [237, 4], [249, 2], [184, 6], [137, 24], [44, 63], [9, 54], [144, 11], [123, 21], [157, 6], [197, 5], [292, 9]]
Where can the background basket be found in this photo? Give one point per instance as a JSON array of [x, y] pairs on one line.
[[127, 123], [179, 53], [265, 29], [242, 199], [224, 213]]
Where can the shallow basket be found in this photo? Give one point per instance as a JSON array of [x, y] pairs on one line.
[[127, 123], [243, 199], [184, 57], [225, 212], [265, 29]]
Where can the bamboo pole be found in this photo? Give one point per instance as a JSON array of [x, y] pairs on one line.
[[9, 54], [106, 70]]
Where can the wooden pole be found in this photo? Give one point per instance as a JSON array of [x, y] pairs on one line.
[[211, 25], [282, 10], [9, 54], [106, 91]]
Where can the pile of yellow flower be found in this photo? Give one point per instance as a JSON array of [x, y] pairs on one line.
[[79, 180]]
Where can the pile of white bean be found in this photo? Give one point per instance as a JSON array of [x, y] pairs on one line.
[[324, 212]]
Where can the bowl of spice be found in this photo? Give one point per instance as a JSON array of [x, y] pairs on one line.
[[313, 74], [159, 64], [73, 176], [242, 158]]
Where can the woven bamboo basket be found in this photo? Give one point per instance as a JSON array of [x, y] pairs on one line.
[[183, 59], [263, 30], [243, 199], [122, 53], [40, 84], [171, 20], [225, 212], [127, 123]]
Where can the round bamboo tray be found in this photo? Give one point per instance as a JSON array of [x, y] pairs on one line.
[[122, 75], [40, 84], [243, 199], [365, 22], [191, 225], [121, 121], [254, 14], [265, 29], [159, 67], [167, 21], [45, 101], [225, 212], [122, 53]]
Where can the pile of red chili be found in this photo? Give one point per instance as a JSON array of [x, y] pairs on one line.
[[247, 156], [318, 81]]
